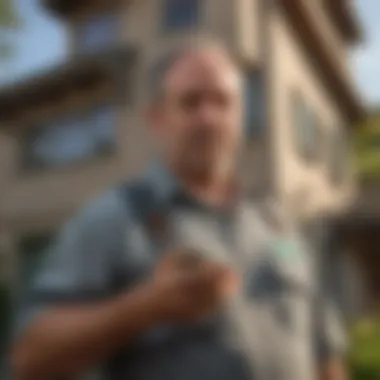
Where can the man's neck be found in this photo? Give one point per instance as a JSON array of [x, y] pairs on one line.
[[214, 190]]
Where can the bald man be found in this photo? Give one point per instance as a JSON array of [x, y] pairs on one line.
[[115, 291]]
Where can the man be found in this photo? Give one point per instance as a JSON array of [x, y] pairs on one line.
[[115, 291]]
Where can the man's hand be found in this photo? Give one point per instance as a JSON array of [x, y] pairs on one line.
[[65, 341], [333, 369], [188, 287]]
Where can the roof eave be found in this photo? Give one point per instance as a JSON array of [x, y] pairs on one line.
[[51, 81], [346, 95]]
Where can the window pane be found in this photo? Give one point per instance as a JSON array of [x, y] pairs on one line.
[[71, 139], [299, 120], [254, 103], [306, 125], [338, 158], [313, 132], [181, 13], [98, 32], [66, 141]]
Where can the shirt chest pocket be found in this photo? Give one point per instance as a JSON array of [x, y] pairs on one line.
[[283, 286]]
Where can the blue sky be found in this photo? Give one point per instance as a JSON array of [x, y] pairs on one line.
[[42, 42]]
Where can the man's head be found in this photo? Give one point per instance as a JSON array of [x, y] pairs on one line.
[[196, 108]]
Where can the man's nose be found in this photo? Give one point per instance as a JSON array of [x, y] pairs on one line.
[[208, 112]]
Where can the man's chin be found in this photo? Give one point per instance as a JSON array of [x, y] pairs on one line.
[[205, 169]]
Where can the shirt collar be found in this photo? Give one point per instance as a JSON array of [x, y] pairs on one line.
[[164, 183], [167, 187]]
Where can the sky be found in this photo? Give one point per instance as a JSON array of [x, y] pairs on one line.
[[41, 42]]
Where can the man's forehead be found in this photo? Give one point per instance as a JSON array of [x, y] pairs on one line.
[[204, 67]]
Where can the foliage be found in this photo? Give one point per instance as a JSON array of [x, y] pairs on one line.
[[365, 354], [9, 21], [9, 18], [367, 148]]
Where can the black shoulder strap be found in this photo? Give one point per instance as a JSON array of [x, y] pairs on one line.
[[139, 198]]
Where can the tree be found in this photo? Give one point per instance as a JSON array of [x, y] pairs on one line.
[[9, 21], [8, 16], [367, 147]]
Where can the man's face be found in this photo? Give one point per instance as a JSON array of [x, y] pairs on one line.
[[198, 121]]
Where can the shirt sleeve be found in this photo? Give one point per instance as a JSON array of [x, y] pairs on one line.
[[77, 265], [330, 333], [330, 337]]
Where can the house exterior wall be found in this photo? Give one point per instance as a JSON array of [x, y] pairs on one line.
[[296, 178], [258, 37]]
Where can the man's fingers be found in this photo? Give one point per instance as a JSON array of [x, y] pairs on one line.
[[210, 279]]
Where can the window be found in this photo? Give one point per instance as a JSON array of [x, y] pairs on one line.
[[307, 128], [181, 14], [71, 139], [254, 103], [314, 135], [338, 157], [98, 32]]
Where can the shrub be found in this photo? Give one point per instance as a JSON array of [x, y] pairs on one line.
[[365, 352]]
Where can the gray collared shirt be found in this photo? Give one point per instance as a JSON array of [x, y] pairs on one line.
[[106, 249]]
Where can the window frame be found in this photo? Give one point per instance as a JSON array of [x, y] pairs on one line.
[[338, 157], [307, 142]]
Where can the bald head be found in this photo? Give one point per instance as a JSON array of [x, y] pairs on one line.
[[196, 108], [168, 59]]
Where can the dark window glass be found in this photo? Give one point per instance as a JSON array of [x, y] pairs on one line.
[[180, 14], [71, 139], [98, 32], [254, 99]]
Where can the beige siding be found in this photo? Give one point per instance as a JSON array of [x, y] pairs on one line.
[[236, 22], [290, 69]]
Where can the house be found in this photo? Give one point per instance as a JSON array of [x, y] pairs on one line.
[[71, 131], [358, 229]]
